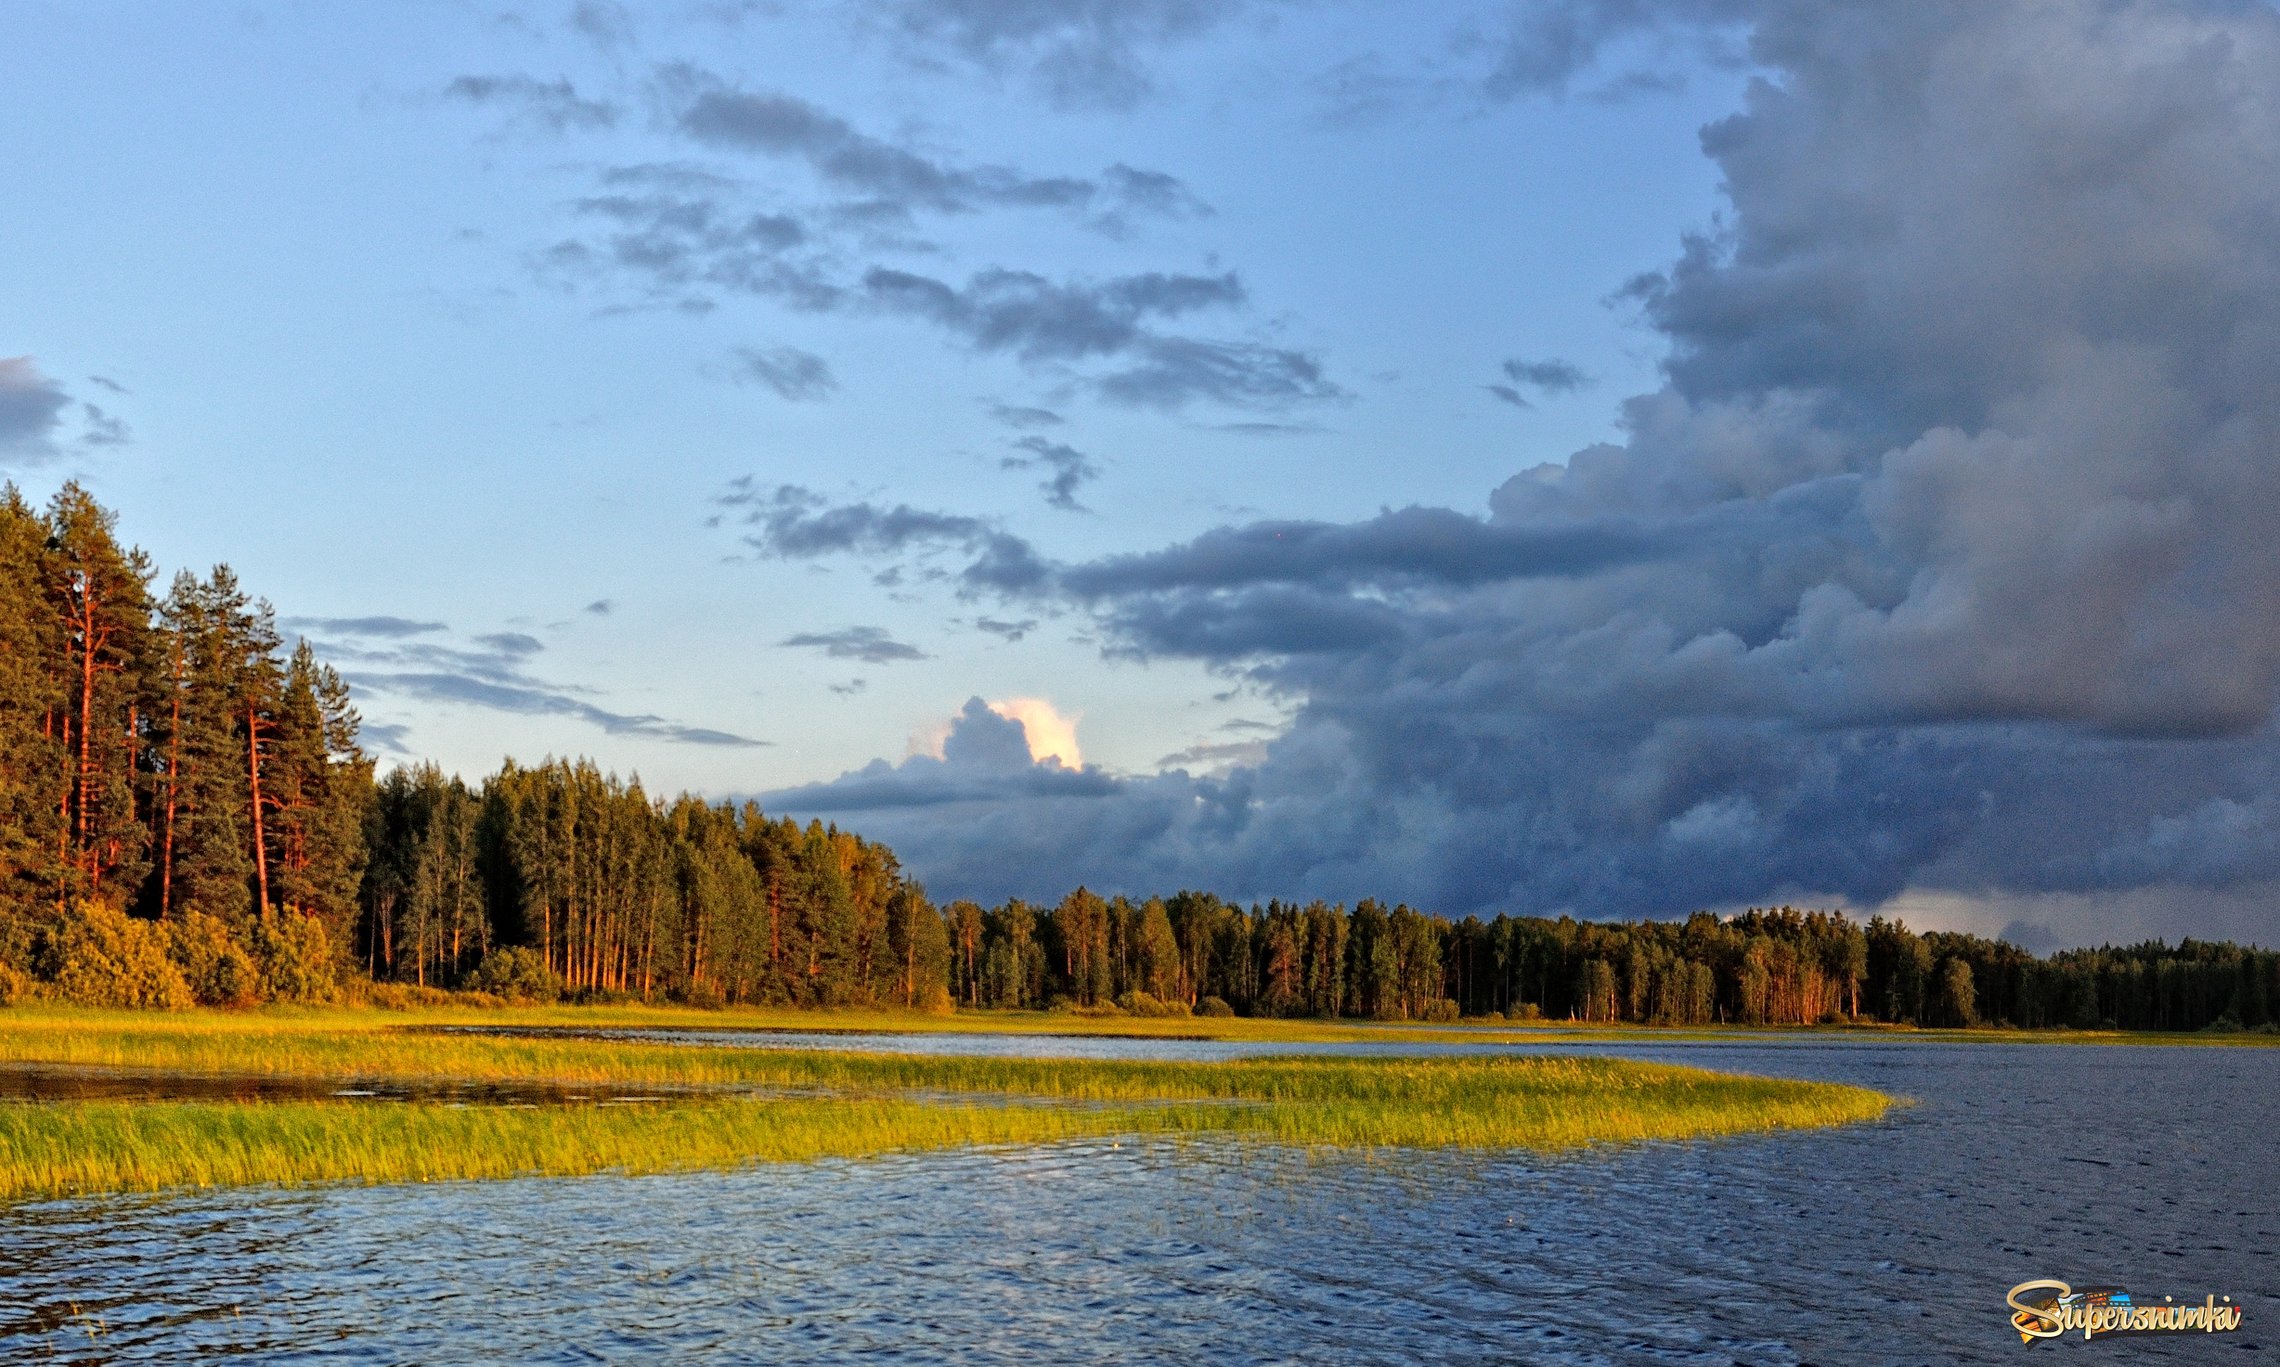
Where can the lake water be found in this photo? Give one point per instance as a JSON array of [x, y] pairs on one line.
[[2153, 1168]]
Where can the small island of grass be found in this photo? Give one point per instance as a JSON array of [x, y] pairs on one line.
[[724, 1107]]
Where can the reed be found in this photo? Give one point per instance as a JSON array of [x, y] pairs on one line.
[[48, 1151], [790, 1105]]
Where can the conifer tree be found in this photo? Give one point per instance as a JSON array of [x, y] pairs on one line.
[[33, 767], [100, 595]]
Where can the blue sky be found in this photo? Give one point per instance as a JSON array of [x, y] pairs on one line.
[[562, 371], [319, 277]]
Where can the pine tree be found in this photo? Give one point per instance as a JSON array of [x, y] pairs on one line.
[[213, 754], [100, 595], [33, 766]]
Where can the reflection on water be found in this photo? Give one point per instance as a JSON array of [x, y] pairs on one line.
[[2146, 1167]]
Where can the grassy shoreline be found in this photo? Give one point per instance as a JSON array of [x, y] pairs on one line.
[[36, 1017], [819, 1103]]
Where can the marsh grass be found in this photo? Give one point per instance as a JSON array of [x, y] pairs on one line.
[[61, 1150], [818, 1104]]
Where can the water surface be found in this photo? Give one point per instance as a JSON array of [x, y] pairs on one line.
[[2148, 1167]]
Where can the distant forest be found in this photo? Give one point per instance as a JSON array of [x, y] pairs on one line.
[[186, 816]]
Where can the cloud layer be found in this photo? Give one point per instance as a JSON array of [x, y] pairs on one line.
[[395, 657], [1942, 559]]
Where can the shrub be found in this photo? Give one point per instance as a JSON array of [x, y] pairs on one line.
[[1439, 1012], [703, 996], [1214, 1006], [295, 957], [100, 956], [217, 969], [15, 985], [1144, 1004], [517, 974], [934, 1000]]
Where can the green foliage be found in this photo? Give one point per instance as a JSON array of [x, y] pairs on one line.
[[100, 956], [1214, 1006], [295, 958], [517, 974], [1138, 1003], [216, 967]]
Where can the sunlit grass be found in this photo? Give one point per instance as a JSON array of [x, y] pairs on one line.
[[840, 1104], [150, 1146]]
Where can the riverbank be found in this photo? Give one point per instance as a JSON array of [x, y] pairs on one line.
[[25, 1023], [719, 1107]]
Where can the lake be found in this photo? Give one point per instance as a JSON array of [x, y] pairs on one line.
[[2150, 1167]]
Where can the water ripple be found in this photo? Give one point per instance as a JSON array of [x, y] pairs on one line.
[[1889, 1243]]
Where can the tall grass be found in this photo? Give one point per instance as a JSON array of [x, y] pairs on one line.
[[845, 1104], [62, 1150]]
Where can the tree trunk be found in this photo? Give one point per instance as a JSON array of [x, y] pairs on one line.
[[87, 648], [260, 838]]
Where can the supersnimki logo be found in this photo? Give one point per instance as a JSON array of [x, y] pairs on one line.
[[2048, 1309]]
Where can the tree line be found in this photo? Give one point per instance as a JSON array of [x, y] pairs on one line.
[[1776, 966], [186, 815]]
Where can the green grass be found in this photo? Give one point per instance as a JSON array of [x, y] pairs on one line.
[[818, 1104]]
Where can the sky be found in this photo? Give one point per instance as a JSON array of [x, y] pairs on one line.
[[1612, 457]]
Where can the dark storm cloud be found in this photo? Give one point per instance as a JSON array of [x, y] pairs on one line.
[[553, 105], [1407, 545], [31, 409], [871, 645], [1080, 54], [796, 375], [1303, 572], [1215, 755], [1066, 470], [1941, 561], [1525, 379]]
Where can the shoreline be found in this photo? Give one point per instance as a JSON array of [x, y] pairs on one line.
[[1073, 1025]]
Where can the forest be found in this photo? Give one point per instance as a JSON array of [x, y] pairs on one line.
[[186, 816]]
